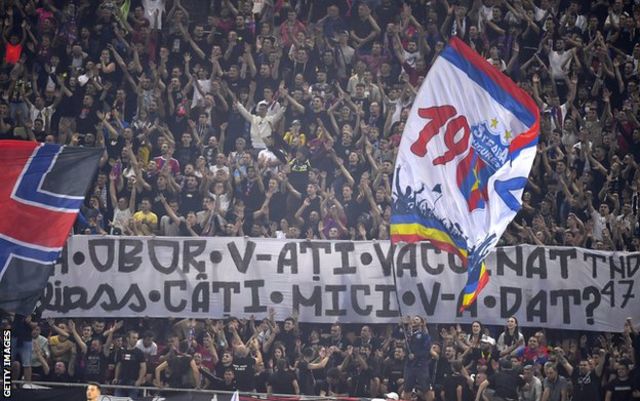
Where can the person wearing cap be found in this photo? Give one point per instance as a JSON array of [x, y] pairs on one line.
[[505, 383], [262, 125], [486, 355]]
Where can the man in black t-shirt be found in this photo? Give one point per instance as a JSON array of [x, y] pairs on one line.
[[393, 370], [335, 385], [439, 367], [243, 367], [586, 382], [95, 359], [131, 367], [621, 388], [505, 382], [283, 380], [454, 383], [227, 383]]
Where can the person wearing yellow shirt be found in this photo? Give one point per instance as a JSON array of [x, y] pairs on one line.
[[145, 216], [294, 138]]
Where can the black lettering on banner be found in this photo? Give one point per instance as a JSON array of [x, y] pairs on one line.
[[503, 260], [163, 246], [290, 249], [52, 294], [345, 249], [537, 307], [384, 260], [565, 255], [226, 287], [614, 268], [568, 297], [386, 291], [168, 294], [111, 295], [315, 247], [403, 264], [200, 298], [588, 293], [255, 306], [594, 264], [508, 309], [242, 262], [424, 247], [134, 292], [315, 299], [629, 293], [76, 297], [540, 269], [609, 290], [101, 246], [59, 300], [335, 291], [429, 303], [129, 258], [633, 260], [190, 249], [64, 260], [355, 304]]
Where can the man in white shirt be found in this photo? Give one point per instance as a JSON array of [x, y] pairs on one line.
[[560, 60], [146, 344], [532, 390], [262, 125]]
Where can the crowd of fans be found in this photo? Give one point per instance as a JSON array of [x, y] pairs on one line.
[[283, 118], [405, 361]]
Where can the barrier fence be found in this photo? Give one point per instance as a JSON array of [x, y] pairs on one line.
[[64, 391]]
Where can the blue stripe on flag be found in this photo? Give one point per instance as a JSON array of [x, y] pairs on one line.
[[28, 189], [500, 95]]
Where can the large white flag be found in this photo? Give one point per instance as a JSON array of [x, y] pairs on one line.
[[465, 155]]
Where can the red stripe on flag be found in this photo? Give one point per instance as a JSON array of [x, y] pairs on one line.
[[507, 84], [27, 223], [411, 238]]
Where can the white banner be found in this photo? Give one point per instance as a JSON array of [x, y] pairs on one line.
[[328, 281]]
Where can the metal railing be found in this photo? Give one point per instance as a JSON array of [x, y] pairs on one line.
[[150, 391]]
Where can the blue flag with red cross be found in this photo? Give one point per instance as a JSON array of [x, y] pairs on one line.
[[42, 187]]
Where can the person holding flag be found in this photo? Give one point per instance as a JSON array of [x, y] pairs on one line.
[[470, 139], [416, 371]]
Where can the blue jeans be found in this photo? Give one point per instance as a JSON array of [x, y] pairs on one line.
[[124, 392]]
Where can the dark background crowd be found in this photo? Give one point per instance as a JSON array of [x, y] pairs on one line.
[[276, 118], [283, 118], [407, 361]]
